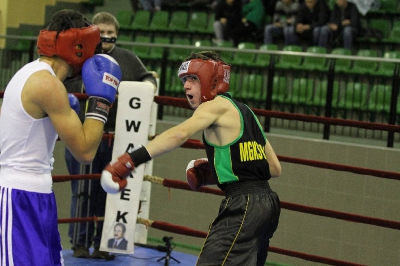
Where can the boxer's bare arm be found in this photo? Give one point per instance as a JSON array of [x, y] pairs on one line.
[[275, 167], [45, 95]]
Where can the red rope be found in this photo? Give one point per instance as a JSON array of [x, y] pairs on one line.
[[181, 102], [182, 230], [178, 229], [301, 208], [196, 144], [327, 120], [310, 257], [63, 178], [341, 167], [185, 186], [171, 183], [172, 101], [81, 96], [79, 220], [341, 215]]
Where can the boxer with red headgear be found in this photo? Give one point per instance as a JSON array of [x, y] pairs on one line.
[[239, 160], [74, 45], [36, 112], [214, 76], [85, 235]]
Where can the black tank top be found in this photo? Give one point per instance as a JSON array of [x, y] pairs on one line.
[[244, 158]]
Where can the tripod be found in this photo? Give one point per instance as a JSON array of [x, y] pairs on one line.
[[169, 249]]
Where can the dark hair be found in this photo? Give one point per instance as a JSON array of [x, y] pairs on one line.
[[205, 55], [122, 226], [67, 19]]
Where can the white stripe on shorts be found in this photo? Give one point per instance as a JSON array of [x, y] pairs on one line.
[[6, 227]]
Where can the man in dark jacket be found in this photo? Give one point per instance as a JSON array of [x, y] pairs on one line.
[[283, 19], [118, 242], [344, 23], [253, 14], [88, 198], [312, 15], [228, 14]]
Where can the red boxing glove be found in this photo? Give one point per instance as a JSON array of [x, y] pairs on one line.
[[198, 174], [113, 177]]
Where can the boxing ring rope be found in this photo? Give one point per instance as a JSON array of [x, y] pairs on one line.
[[171, 183], [182, 103], [195, 144], [168, 227], [172, 228]]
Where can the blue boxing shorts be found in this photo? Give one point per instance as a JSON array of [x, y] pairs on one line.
[[29, 229]]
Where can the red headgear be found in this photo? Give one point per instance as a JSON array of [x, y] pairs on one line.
[[213, 76], [74, 45]]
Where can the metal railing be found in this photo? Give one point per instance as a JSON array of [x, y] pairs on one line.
[[269, 72]]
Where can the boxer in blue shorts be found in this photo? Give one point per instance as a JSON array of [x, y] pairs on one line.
[[36, 111], [240, 160]]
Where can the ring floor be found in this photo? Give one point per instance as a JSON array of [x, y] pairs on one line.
[[142, 257]]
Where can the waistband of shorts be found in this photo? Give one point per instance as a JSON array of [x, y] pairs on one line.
[[33, 182], [249, 187]]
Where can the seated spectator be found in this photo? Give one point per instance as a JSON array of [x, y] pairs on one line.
[[311, 16], [228, 14], [203, 4], [284, 16], [253, 15], [269, 6], [364, 6], [151, 5], [343, 25]]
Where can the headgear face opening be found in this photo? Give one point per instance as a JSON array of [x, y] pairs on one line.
[[74, 45], [213, 75]]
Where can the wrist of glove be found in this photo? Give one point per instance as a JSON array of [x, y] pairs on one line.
[[113, 178], [198, 174], [97, 108]]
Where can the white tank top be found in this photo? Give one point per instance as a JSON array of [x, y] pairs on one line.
[[26, 143]]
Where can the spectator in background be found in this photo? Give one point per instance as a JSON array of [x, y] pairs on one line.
[[269, 6], [228, 14], [132, 70], [343, 25], [151, 5], [194, 3], [253, 15], [311, 16], [284, 16]]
